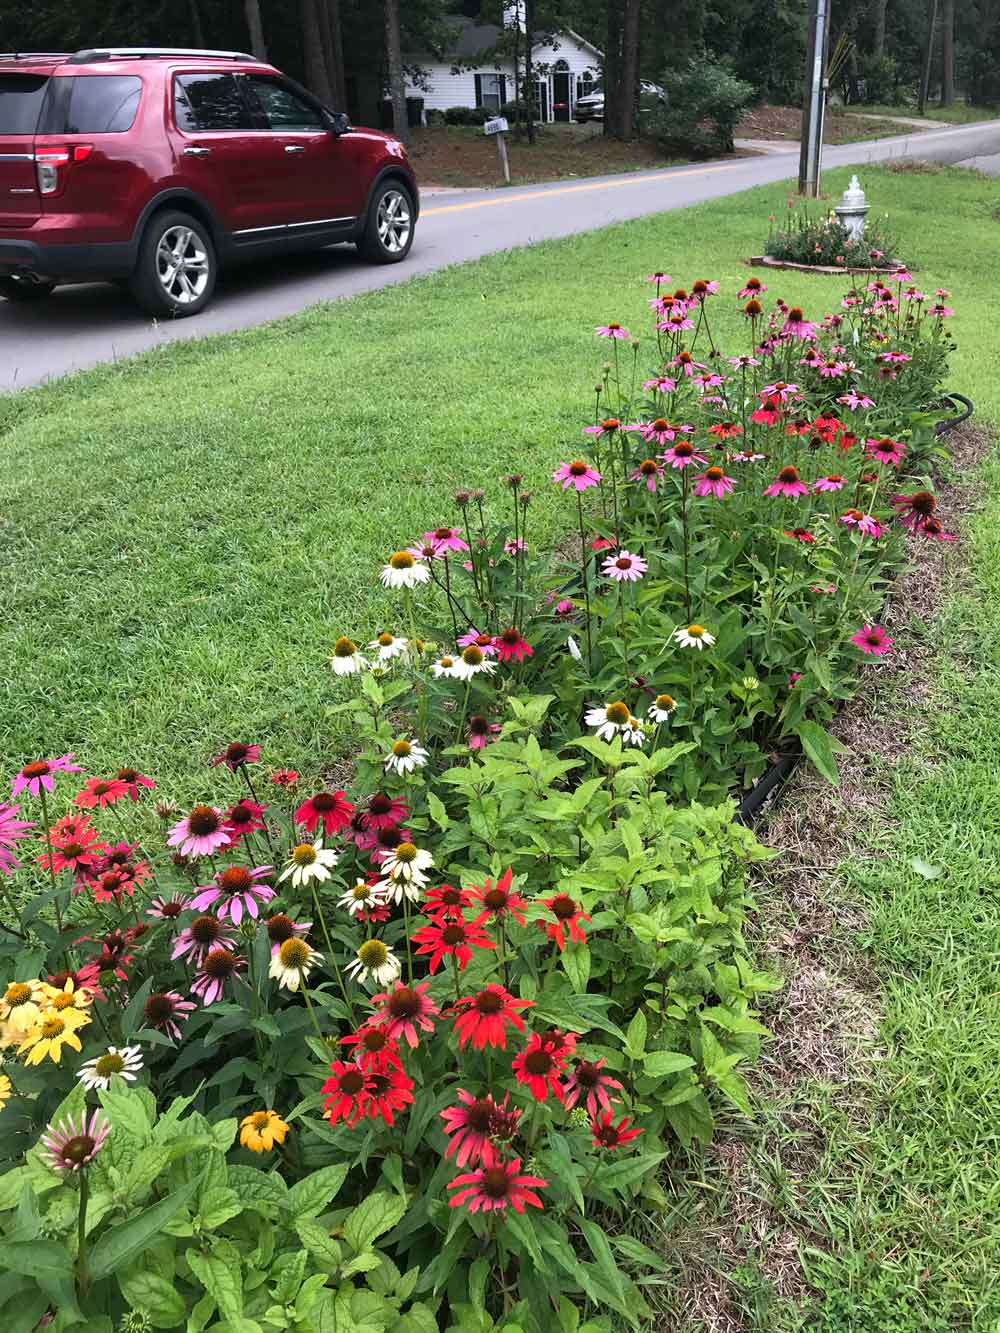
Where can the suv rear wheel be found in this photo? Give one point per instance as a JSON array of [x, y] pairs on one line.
[[25, 289], [388, 232], [177, 266]]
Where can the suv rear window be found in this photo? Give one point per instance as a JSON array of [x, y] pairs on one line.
[[91, 104], [21, 97], [209, 102]]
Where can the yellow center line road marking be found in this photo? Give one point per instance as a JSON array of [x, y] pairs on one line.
[[580, 189]]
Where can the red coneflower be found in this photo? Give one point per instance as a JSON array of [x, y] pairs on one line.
[[374, 1048], [333, 808], [451, 939], [588, 1080], [236, 755], [492, 1188], [872, 639], [484, 1017], [512, 646], [568, 914], [391, 1091], [348, 1091], [539, 1067], [609, 1135], [133, 780], [383, 811], [99, 792], [244, 817], [498, 899], [914, 510], [474, 1124], [404, 1009], [80, 854], [725, 430], [800, 534], [446, 903]]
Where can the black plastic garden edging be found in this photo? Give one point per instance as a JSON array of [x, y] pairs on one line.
[[949, 423]]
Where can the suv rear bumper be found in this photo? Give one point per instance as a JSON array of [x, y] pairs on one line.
[[112, 259]]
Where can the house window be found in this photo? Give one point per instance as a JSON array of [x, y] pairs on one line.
[[491, 91], [586, 84]]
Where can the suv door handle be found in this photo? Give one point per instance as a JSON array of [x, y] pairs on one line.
[[197, 152], [294, 148]]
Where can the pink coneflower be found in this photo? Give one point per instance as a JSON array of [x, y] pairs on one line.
[[493, 1188], [797, 326], [218, 967], [753, 288], [564, 607], [743, 362], [938, 311], [648, 471], [659, 431], [780, 390], [890, 452], [787, 483], [473, 639], [612, 330], [481, 732], [512, 646], [932, 528], [68, 1146], [168, 909], [403, 1010], [682, 454], [578, 474], [234, 891], [38, 774], [745, 456], [514, 546], [834, 482], [606, 427], [383, 811], [12, 830], [832, 370], [793, 679], [725, 430], [236, 755], [284, 777], [332, 808], [800, 535], [662, 384], [446, 539], [164, 1010], [677, 320], [664, 279], [894, 358], [872, 639], [200, 833], [589, 1081], [713, 481], [866, 524], [624, 567], [281, 927], [688, 365], [915, 510], [202, 935]]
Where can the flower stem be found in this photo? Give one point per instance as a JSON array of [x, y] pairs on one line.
[[586, 590], [52, 873], [309, 1006], [684, 522], [331, 955], [82, 1271], [409, 947]]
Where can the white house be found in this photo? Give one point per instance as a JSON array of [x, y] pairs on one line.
[[472, 73]]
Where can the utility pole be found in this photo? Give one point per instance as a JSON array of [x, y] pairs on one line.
[[814, 103], [925, 79]]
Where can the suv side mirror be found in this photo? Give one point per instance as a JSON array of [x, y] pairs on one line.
[[338, 122]]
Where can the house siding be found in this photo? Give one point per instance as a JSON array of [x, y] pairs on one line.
[[443, 89]]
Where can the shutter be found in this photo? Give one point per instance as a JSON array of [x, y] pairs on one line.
[[503, 90], [479, 90]]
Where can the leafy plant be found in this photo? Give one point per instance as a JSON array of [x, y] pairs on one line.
[[703, 102]]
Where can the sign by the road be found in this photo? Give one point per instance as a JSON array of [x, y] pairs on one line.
[[496, 126]]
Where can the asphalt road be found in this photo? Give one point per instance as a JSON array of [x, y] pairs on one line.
[[81, 326]]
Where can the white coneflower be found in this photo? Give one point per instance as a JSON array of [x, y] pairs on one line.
[[403, 571], [293, 960], [125, 1061], [632, 732], [375, 961], [405, 756], [360, 897], [472, 662], [404, 872], [609, 720], [693, 636], [444, 666], [308, 861], [661, 708], [387, 646], [346, 659]]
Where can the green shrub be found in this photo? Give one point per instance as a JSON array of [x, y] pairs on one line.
[[467, 115], [803, 239], [703, 104]]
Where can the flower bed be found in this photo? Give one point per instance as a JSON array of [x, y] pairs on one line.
[[826, 243], [405, 1055]]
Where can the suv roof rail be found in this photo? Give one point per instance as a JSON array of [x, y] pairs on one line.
[[152, 53], [32, 55]]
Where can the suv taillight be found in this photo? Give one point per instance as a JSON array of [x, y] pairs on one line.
[[51, 163]]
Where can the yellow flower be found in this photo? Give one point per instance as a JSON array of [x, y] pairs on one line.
[[6, 1090], [53, 1033], [262, 1130], [21, 1006], [68, 996]]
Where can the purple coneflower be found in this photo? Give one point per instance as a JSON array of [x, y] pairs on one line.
[[235, 890], [38, 774], [787, 483], [236, 755], [69, 1146], [577, 474], [12, 830], [218, 967], [200, 833], [624, 567], [682, 454], [872, 639], [713, 481], [612, 330]]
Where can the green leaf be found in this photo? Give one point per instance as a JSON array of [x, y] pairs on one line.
[[617, 1175], [635, 1037], [373, 1217], [316, 1192], [217, 1205], [560, 1160], [575, 960], [256, 1187], [154, 1297], [659, 1063], [119, 1243], [924, 869], [216, 1275], [132, 1011], [362, 1263], [601, 1250], [820, 748], [437, 811], [40, 1258], [638, 1253], [419, 1318], [318, 1241]]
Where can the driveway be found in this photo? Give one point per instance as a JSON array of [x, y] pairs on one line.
[[85, 325]]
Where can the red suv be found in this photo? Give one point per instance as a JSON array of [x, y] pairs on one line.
[[154, 166]]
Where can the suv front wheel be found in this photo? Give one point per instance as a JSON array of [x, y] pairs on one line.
[[176, 270], [388, 232]]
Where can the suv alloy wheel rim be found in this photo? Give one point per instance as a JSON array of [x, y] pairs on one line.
[[393, 221], [182, 264]]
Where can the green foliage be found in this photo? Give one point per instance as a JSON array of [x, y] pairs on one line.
[[704, 101], [467, 115], [825, 240]]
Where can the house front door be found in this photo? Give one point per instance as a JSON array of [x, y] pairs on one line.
[[561, 108]]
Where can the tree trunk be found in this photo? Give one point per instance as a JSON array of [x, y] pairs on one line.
[[529, 64], [947, 52], [258, 47], [199, 31], [925, 78], [612, 70], [335, 60], [312, 48], [629, 85], [878, 22], [394, 59]]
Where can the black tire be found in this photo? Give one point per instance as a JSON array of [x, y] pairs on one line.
[[24, 289], [177, 266], [388, 232]]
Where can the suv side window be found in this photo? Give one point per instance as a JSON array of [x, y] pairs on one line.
[[284, 111], [209, 102], [91, 104]]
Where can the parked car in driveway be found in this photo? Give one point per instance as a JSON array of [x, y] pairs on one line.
[[592, 106], [157, 166]]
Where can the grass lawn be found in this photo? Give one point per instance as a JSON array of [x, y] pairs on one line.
[[960, 113], [186, 533]]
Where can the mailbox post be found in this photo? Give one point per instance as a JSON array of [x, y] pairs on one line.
[[499, 127]]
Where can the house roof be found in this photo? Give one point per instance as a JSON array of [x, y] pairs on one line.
[[471, 37]]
